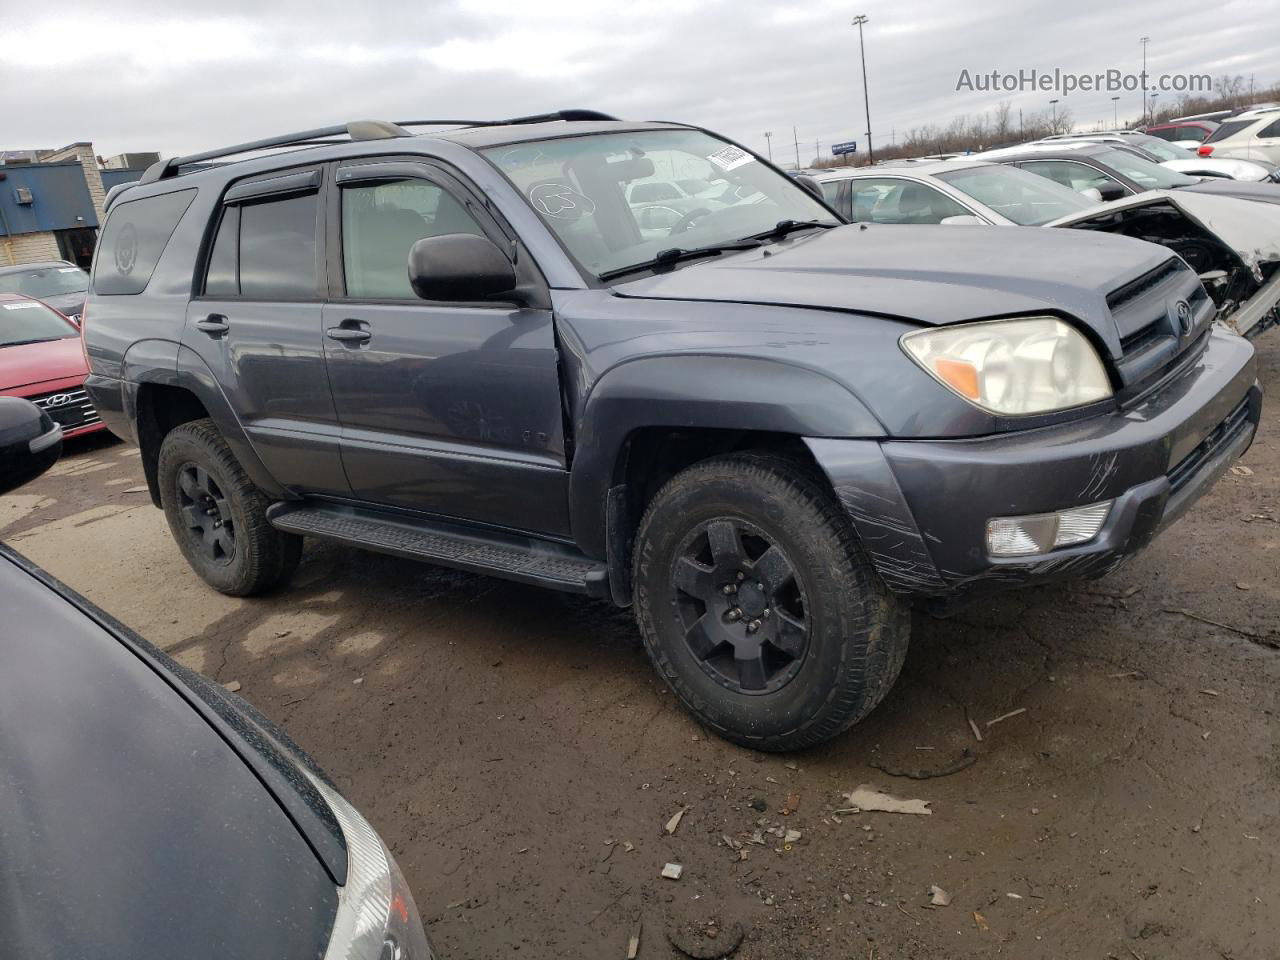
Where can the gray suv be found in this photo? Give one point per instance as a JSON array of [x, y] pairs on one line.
[[768, 431]]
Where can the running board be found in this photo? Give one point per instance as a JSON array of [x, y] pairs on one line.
[[511, 556]]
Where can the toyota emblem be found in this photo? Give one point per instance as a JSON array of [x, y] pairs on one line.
[[1184, 317]]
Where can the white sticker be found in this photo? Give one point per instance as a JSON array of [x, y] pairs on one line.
[[730, 158], [68, 269], [22, 305]]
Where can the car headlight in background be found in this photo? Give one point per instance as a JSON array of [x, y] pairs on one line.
[[1013, 367], [377, 918]]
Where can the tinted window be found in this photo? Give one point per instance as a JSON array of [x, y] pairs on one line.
[[223, 278], [135, 235], [1188, 132], [1270, 130], [381, 223], [1168, 133], [278, 248], [1228, 128]]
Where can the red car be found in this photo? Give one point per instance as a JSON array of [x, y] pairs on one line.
[[41, 359]]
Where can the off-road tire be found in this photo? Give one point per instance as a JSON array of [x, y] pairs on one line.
[[261, 557], [857, 632]]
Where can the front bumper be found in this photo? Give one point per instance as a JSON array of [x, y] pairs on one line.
[[921, 507]]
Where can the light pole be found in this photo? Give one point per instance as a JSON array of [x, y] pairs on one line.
[[1144, 41], [858, 21], [768, 138], [1053, 104], [1115, 112], [1152, 114], [795, 136]]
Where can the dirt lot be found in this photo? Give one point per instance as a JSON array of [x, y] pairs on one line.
[[518, 754]]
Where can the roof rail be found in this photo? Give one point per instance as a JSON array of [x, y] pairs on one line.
[[354, 130], [569, 116]]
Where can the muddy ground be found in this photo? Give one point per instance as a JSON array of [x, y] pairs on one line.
[[521, 759]]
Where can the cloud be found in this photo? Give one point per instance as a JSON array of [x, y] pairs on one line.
[[140, 74]]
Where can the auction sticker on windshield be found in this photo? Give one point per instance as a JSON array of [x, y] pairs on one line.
[[22, 306], [730, 158]]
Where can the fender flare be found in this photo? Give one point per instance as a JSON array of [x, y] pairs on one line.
[[687, 391]]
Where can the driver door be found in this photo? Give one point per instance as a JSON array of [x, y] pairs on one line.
[[449, 409]]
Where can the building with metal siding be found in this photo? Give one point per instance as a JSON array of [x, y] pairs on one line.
[[51, 209]]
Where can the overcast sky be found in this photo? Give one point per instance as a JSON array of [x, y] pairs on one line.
[[143, 75]]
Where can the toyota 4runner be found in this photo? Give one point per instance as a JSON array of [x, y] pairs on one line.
[[767, 430]]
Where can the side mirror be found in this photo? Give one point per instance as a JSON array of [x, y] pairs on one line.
[[30, 442], [811, 185], [459, 267], [1093, 193], [964, 219], [1110, 191]]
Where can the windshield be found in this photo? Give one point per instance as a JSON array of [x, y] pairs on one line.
[[593, 193], [1025, 198], [50, 281], [1150, 175], [1159, 148], [25, 321]]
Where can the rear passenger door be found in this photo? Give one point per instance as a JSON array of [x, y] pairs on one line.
[[451, 409], [257, 326]]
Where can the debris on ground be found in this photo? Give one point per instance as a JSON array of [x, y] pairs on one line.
[[980, 922], [142, 489], [1240, 470], [977, 734], [791, 836], [1210, 693], [232, 685], [866, 798], [705, 940], [791, 805], [1262, 639], [674, 822], [358, 680], [672, 871], [966, 759], [1006, 716], [758, 804], [939, 897], [633, 945]]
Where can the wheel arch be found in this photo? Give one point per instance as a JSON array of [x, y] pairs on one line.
[[645, 420]]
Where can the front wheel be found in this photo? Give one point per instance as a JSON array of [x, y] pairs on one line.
[[218, 517], [758, 607]]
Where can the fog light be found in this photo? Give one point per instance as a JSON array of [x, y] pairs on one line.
[[1042, 532]]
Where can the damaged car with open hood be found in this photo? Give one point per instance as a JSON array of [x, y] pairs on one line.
[[1232, 243], [766, 430]]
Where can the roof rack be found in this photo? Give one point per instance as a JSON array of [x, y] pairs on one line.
[[354, 130]]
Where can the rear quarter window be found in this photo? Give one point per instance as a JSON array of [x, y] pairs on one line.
[[136, 233], [1229, 128]]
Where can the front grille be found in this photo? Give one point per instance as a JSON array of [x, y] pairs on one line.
[[1154, 340], [71, 408], [1220, 436]]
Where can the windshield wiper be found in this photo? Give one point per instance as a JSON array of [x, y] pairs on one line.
[[23, 343], [784, 227], [673, 255]]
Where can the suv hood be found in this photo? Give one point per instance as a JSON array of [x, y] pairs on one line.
[[31, 363], [933, 275], [1250, 229]]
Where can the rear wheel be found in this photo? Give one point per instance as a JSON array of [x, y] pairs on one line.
[[218, 517], [758, 607]]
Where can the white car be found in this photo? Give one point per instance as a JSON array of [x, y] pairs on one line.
[[1253, 135], [1176, 158], [1233, 244]]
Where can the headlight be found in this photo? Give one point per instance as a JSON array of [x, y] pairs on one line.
[[1013, 367], [377, 918]]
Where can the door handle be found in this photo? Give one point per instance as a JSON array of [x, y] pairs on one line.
[[215, 325], [348, 335]]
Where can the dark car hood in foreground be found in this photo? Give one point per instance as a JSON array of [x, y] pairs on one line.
[[129, 828], [930, 274]]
